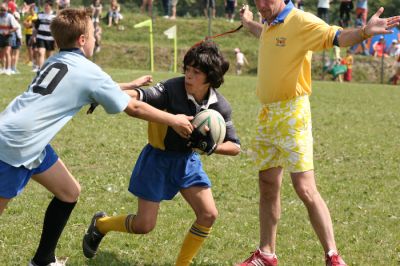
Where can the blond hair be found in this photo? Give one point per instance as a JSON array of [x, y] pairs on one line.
[[69, 25]]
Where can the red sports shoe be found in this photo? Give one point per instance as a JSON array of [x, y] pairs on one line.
[[259, 259], [334, 260]]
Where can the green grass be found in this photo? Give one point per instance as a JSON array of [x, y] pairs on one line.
[[357, 136]]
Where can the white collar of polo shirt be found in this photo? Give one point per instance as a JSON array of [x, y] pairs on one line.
[[212, 98]]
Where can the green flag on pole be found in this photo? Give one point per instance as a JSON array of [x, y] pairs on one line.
[[171, 34], [148, 23]]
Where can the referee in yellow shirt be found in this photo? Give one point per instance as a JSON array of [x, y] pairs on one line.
[[287, 38]]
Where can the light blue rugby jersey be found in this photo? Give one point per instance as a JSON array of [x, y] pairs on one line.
[[66, 83]]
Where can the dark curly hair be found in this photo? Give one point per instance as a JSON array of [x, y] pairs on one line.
[[208, 58]]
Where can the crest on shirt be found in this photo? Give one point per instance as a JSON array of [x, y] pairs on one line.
[[281, 41]]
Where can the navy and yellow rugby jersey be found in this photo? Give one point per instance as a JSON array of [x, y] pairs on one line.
[[171, 96]]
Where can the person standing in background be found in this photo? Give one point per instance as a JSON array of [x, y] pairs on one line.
[[147, 4], [230, 6], [348, 61], [209, 6], [42, 37], [61, 4], [28, 28], [323, 10], [8, 25], [396, 77], [173, 4], [240, 61], [16, 41], [362, 10], [346, 6]]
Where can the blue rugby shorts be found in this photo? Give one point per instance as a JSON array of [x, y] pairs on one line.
[[14, 179], [159, 175]]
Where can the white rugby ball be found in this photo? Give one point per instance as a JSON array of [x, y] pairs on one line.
[[214, 121]]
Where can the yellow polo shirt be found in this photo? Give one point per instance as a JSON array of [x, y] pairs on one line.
[[30, 19], [285, 51]]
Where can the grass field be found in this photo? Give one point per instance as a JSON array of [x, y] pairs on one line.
[[357, 150]]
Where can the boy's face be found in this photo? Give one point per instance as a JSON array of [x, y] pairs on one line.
[[196, 82], [88, 46]]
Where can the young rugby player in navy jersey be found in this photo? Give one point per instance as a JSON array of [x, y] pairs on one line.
[[65, 83], [167, 164]]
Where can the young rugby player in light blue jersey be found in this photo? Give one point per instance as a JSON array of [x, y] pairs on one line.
[[65, 83], [168, 165]]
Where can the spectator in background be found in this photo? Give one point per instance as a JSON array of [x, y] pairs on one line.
[[149, 5], [348, 61], [173, 8], [61, 4], [240, 61], [25, 7], [346, 6], [299, 4], [114, 15], [380, 47], [397, 53], [12, 6], [363, 43], [362, 10], [28, 28], [97, 36], [209, 6], [8, 25], [42, 37], [96, 8], [165, 5], [396, 77], [323, 10], [230, 6], [16, 40], [393, 48]]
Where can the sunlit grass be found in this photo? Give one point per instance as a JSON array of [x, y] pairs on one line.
[[357, 141]]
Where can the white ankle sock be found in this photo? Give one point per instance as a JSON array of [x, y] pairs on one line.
[[331, 252], [266, 253]]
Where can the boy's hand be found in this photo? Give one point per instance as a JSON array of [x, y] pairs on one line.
[[204, 143], [142, 81], [182, 125]]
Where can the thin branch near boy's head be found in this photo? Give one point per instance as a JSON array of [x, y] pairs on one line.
[[218, 35], [207, 57]]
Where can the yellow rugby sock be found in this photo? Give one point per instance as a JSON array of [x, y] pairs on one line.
[[119, 223], [191, 245]]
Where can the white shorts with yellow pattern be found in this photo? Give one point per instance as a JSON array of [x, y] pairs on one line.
[[284, 137]]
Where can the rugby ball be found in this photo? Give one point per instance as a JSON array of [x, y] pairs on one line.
[[214, 121]]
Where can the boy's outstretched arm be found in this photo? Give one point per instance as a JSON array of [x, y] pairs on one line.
[[228, 148], [129, 88], [139, 82], [180, 123]]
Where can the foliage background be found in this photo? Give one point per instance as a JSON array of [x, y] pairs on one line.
[[195, 7]]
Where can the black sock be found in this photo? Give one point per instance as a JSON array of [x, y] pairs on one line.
[[55, 219]]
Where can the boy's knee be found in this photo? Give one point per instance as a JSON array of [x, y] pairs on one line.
[[70, 194], [208, 218]]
